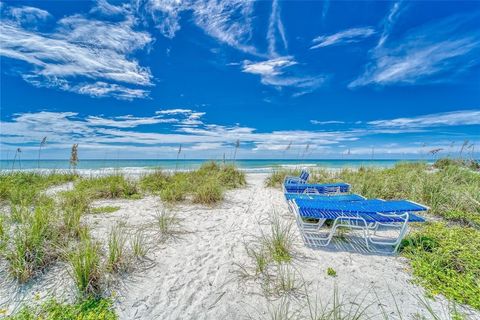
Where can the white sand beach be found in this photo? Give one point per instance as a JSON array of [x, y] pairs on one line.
[[197, 272]]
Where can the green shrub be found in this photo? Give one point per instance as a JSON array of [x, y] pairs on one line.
[[104, 209], [209, 192], [230, 177], [154, 182], [466, 163], [88, 309], [109, 187], [446, 260]]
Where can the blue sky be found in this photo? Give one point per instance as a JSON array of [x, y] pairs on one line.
[[325, 79]]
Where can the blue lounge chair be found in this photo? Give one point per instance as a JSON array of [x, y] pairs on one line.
[[326, 188], [367, 215], [313, 223], [303, 178], [324, 197]]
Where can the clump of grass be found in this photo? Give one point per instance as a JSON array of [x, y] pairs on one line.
[[117, 259], [260, 258], [34, 244], [155, 181], [276, 178], [90, 308], [331, 272], [138, 245], [209, 192], [104, 209], [86, 268], [109, 187], [230, 177], [279, 243], [446, 260], [282, 281], [173, 192], [4, 229], [167, 224]]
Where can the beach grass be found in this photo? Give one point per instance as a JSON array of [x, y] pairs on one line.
[[34, 243], [138, 245], [117, 259], [108, 187], [279, 242], [21, 187], [86, 268], [89, 308], [104, 209], [205, 185]]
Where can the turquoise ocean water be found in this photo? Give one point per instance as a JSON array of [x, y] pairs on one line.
[[249, 165]]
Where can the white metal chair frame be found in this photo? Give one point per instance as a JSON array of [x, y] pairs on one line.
[[310, 230]]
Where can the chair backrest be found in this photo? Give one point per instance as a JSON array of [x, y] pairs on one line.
[[304, 175]]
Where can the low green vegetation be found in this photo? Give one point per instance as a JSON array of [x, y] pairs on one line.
[[276, 178], [108, 187], [446, 260], [23, 188], [86, 267], [104, 209], [88, 309], [205, 185], [331, 272]]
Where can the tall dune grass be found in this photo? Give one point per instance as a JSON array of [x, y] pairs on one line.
[[205, 185]]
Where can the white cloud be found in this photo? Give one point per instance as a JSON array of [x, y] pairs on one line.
[[228, 21], [345, 36], [80, 49], [26, 16], [270, 67], [275, 24], [435, 52], [275, 72], [389, 21], [326, 122], [105, 8], [454, 118], [102, 89], [165, 14]]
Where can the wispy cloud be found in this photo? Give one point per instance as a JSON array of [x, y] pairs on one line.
[[81, 49], [25, 16], [275, 72], [275, 25], [454, 118], [435, 52], [229, 22], [326, 122], [389, 21], [342, 37]]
